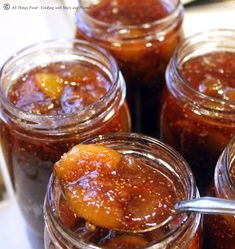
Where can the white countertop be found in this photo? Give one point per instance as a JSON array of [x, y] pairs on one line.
[[20, 28], [211, 16]]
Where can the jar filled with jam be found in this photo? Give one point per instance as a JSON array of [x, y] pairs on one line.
[[198, 113], [220, 230], [142, 36], [119, 191], [54, 95]]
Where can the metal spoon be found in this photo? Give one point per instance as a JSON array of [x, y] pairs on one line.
[[206, 205]]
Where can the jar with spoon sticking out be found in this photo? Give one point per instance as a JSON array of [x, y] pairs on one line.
[[119, 191]]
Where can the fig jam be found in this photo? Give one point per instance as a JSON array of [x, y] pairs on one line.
[[102, 182], [110, 199], [212, 75], [50, 107], [123, 12], [58, 88], [199, 106], [142, 36]]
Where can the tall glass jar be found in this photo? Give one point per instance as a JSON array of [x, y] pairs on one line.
[[180, 232], [142, 36], [220, 230], [193, 121], [32, 143]]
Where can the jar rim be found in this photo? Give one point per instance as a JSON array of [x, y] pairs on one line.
[[175, 12], [132, 138], [61, 43], [155, 30], [200, 39]]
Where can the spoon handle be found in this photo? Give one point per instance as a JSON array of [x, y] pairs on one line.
[[207, 205]]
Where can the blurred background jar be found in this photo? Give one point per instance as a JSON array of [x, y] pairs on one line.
[[220, 230], [198, 113], [54, 95], [142, 36], [183, 231]]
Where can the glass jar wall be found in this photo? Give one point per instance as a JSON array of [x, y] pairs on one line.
[[199, 106], [220, 230]]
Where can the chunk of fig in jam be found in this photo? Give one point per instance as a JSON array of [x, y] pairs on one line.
[[50, 84], [85, 159]]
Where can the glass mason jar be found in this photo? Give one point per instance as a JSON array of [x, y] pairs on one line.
[[180, 232], [198, 125], [142, 44], [220, 230], [32, 143]]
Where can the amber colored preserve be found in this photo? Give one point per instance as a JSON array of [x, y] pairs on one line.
[[199, 109], [142, 36], [220, 230], [53, 96], [119, 191]]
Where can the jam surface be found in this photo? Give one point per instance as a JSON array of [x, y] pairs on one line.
[[212, 74], [129, 12], [58, 88], [108, 193], [201, 138]]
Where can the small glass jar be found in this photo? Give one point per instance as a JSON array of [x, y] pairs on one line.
[[197, 125], [142, 50], [32, 143], [220, 230], [180, 232]]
